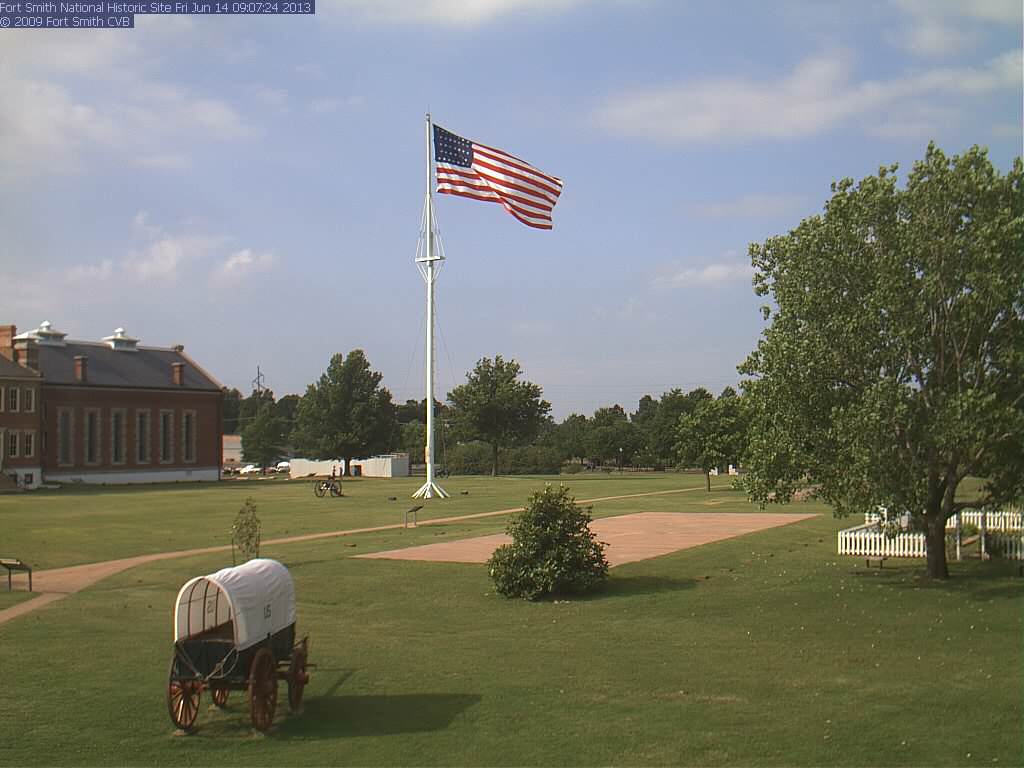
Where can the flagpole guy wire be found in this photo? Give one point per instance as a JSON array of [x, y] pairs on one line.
[[429, 259]]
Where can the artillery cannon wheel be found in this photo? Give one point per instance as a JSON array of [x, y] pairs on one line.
[[297, 677], [220, 696], [182, 698], [319, 489], [263, 689]]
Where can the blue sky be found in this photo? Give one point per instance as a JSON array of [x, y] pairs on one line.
[[252, 187]]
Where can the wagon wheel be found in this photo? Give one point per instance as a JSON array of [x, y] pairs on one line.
[[182, 698], [318, 489], [297, 678], [220, 696], [263, 689], [336, 489]]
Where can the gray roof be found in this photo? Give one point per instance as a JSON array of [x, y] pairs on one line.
[[146, 367], [11, 370]]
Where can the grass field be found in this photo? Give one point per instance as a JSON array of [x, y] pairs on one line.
[[762, 650]]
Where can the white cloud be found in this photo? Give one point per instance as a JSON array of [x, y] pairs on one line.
[[455, 13], [728, 270], [49, 126], [246, 260], [944, 27], [819, 94], [746, 206]]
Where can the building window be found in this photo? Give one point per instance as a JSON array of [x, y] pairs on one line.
[[118, 424], [166, 437], [30, 479], [12, 399], [65, 437], [188, 436], [28, 444], [30, 400], [3, 399], [143, 439], [92, 436], [12, 444]]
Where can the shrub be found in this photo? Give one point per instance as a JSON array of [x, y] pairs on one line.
[[531, 460], [572, 468], [245, 533], [553, 550]]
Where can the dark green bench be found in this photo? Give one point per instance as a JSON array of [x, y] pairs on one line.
[[12, 564]]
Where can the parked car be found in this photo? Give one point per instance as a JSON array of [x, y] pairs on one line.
[[284, 466], [249, 469]]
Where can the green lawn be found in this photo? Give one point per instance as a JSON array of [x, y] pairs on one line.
[[767, 649]]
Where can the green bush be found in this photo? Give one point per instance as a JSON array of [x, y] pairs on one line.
[[475, 459], [572, 468], [245, 533], [553, 550]]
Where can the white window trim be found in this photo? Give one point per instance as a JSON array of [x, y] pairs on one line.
[[13, 435], [16, 394], [184, 436], [71, 436], [29, 398], [170, 438], [98, 459], [3, 398], [30, 435], [124, 437], [149, 437]]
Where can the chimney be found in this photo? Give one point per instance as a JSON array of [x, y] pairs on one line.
[[26, 353], [7, 334], [81, 368], [178, 374]]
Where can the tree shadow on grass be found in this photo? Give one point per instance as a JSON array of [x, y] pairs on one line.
[[630, 586], [334, 717], [998, 580]]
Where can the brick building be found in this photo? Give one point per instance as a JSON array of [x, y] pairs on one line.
[[113, 411], [20, 423]]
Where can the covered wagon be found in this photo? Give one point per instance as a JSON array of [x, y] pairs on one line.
[[235, 630]]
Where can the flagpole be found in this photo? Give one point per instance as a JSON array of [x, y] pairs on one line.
[[426, 259]]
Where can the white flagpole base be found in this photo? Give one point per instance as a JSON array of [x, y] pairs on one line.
[[429, 490]]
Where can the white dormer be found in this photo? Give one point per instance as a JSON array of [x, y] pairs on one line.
[[121, 341], [44, 336]]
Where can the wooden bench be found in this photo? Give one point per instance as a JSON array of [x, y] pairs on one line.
[[880, 560], [13, 564]]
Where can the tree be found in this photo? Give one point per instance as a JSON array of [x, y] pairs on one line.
[[712, 436], [893, 366], [346, 414], [611, 437], [571, 436], [493, 406], [232, 403], [263, 437]]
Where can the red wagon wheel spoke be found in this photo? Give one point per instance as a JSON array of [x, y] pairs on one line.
[[297, 678], [220, 697], [182, 699], [263, 689]]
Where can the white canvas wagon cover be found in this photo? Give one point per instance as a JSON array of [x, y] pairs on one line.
[[258, 597]]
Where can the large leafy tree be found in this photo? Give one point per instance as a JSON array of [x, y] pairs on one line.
[[611, 437], [263, 437], [347, 413], [497, 408], [893, 366], [713, 434]]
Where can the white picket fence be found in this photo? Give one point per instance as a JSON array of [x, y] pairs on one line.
[[1002, 520], [1010, 544], [869, 541]]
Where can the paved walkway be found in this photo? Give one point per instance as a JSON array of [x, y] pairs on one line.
[[57, 583], [629, 538]]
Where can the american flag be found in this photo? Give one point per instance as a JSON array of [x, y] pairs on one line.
[[473, 170]]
